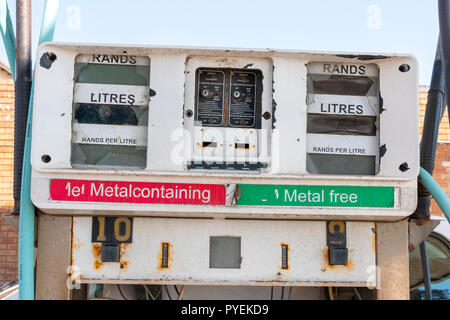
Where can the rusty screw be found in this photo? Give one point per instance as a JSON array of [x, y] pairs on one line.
[[189, 113], [267, 115]]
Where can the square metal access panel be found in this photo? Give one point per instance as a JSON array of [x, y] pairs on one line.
[[225, 252], [201, 132]]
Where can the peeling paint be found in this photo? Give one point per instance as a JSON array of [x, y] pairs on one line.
[[47, 60], [383, 150], [274, 109], [381, 104], [362, 57]]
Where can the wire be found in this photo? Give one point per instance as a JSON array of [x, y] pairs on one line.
[[330, 293], [290, 291], [168, 293], [147, 290], [176, 289], [271, 293], [357, 293], [282, 293], [121, 293], [181, 294], [146, 293]]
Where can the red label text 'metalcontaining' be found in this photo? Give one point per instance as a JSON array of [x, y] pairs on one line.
[[137, 192]]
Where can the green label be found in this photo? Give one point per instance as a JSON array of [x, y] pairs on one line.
[[315, 196]]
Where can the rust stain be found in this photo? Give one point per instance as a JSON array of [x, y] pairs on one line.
[[374, 239], [98, 264], [123, 256], [77, 244], [326, 259], [97, 252], [123, 265], [350, 265], [374, 242]]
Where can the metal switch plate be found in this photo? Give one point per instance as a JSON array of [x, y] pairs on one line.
[[110, 252], [338, 256]]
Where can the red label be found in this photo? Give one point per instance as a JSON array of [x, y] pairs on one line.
[[137, 192]]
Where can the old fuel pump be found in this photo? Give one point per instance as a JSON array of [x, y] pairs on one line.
[[223, 166]]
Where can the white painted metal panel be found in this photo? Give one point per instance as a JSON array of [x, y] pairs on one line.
[[170, 132], [260, 250], [290, 110], [165, 151]]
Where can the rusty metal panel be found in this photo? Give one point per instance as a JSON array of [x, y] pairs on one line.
[[185, 259]]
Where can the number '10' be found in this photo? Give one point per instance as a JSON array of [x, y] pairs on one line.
[[120, 234]]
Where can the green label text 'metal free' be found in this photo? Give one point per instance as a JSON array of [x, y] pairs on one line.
[[315, 196]]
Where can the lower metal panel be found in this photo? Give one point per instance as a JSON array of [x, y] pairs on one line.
[[261, 252]]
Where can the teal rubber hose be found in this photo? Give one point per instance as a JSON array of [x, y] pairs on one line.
[[27, 210], [436, 191]]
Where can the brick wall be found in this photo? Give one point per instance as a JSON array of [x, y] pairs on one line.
[[442, 164], [441, 173], [8, 234]]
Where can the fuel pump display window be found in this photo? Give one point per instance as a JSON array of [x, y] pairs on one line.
[[343, 119], [110, 112]]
